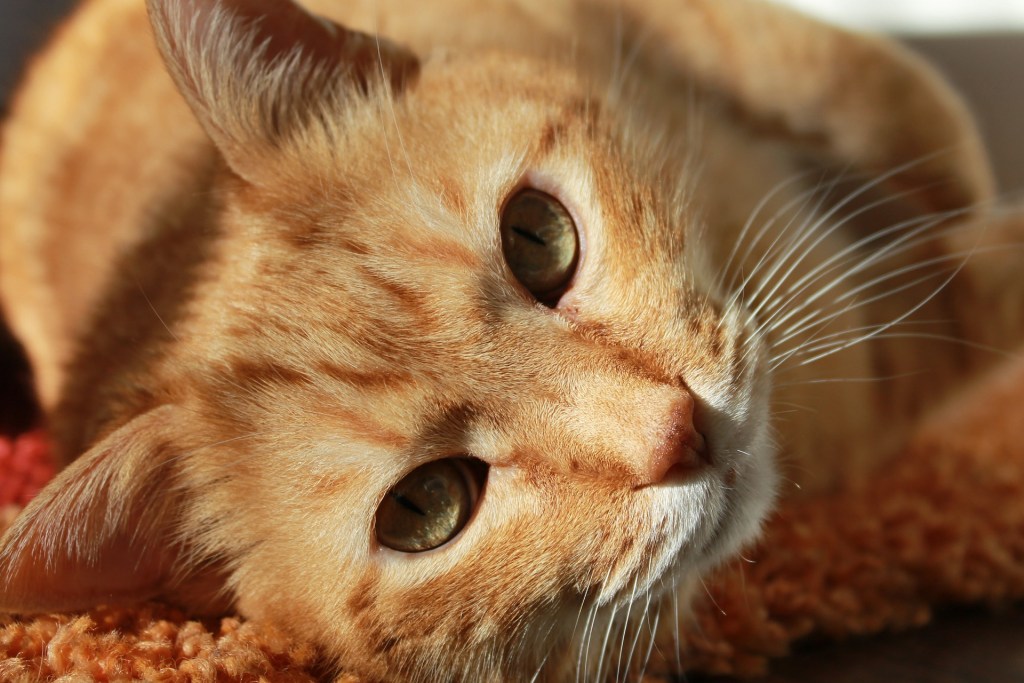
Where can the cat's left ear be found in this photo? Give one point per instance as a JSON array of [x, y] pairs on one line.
[[259, 72], [104, 530]]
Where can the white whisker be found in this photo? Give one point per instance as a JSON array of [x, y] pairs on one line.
[[650, 646], [625, 629], [676, 638], [712, 597], [772, 302], [921, 304], [604, 642], [779, 187], [768, 256]]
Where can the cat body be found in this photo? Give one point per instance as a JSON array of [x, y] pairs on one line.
[[257, 269]]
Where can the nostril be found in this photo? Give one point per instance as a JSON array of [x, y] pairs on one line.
[[682, 450]]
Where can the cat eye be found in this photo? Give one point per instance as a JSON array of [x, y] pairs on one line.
[[540, 243], [430, 506]]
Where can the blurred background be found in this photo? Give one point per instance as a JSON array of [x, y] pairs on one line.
[[919, 16], [979, 44]]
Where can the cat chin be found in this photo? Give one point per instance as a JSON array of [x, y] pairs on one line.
[[732, 514], [709, 519]]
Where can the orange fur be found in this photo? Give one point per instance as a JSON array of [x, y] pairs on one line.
[[262, 284]]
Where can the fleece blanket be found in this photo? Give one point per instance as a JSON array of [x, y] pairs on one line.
[[943, 524]]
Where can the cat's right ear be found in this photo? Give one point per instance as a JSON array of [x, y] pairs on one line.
[[259, 72]]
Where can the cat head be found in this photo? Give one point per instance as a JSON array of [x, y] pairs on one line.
[[458, 369]]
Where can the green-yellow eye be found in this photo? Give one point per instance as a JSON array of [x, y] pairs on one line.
[[540, 243], [429, 506]]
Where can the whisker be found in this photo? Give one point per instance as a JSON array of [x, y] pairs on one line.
[[153, 308], [650, 646], [962, 258], [579, 614], [712, 597], [819, 337], [625, 627], [956, 256], [917, 226], [758, 208], [771, 302], [929, 337], [806, 233], [900, 245], [854, 194], [593, 620], [819, 320], [921, 304], [640, 624], [536, 674], [676, 639], [604, 642], [801, 200], [584, 646]]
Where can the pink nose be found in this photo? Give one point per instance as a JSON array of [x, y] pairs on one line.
[[681, 450]]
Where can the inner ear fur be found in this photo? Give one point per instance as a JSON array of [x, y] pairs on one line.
[[258, 72], [854, 100], [104, 530]]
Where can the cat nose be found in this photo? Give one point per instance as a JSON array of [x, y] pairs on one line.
[[681, 449]]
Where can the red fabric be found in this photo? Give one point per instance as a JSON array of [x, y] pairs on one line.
[[25, 467]]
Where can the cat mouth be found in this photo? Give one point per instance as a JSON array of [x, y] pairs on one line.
[[695, 464], [733, 522]]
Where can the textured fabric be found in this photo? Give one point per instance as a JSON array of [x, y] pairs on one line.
[[25, 468], [944, 524]]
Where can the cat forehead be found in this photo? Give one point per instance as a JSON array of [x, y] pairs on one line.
[[426, 198], [406, 210], [471, 132]]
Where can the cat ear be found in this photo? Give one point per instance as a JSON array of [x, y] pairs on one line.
[[102, 531], [258, 71], [859, 100]]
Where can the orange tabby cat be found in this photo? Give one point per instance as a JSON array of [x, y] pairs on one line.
[[460, 349]]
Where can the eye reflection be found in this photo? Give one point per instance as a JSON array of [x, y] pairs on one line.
[[540, 243], [428, 507]]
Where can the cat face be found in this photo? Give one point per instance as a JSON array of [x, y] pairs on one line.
[[381, 423], [376, 326], [456, 382]]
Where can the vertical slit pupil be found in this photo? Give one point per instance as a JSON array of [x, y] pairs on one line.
[[540, 244]]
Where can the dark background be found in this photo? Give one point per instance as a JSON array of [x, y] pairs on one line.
[[962, 646]]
